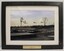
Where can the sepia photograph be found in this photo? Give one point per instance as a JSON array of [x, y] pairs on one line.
[[32, 24]]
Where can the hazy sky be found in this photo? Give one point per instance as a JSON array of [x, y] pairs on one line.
[[33, 15]]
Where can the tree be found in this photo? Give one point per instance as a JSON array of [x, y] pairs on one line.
[[34, 22], [21, 20], [45, 21], [41, 22]]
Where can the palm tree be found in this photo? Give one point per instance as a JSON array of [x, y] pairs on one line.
[[45, 21], [21, 20]]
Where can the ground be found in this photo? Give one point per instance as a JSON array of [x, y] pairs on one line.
[[32, 33]]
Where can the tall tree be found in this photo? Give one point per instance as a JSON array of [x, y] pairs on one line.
[[45, 21], [21, 20]]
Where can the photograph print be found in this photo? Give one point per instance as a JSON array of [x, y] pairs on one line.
[[32, 25]]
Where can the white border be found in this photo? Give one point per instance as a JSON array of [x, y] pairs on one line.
[[25, 42]]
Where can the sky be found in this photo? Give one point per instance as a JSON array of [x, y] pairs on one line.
[[31, 16]]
